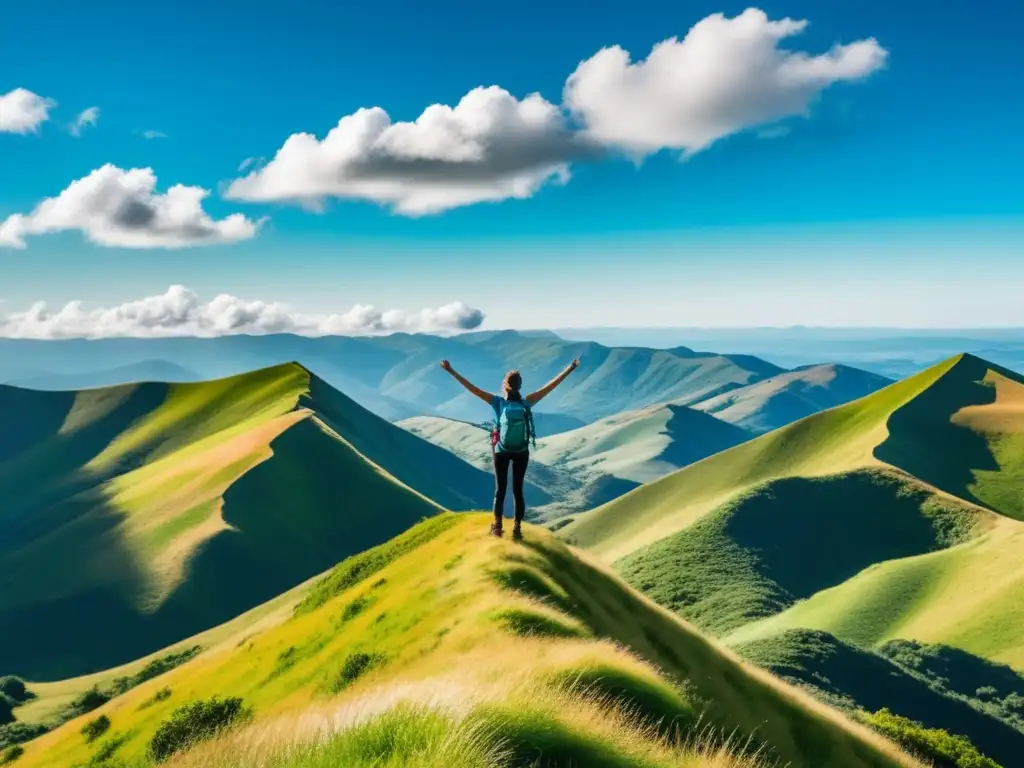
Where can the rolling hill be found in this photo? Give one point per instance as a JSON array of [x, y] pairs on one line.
[[896, 517], [125, 508], [447, 647], [397, 376], [583, 468], [790, 396]]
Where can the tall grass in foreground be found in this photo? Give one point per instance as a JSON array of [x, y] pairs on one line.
[[545, 728]]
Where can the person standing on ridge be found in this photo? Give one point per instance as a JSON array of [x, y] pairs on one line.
[[511, 437]]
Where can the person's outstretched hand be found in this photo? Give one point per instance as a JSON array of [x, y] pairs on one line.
[[446, 366], [574, 364]]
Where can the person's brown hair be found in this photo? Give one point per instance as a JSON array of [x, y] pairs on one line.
[[512, 384]]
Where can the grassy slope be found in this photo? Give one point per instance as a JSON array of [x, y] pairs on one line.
[[956, 426], [787, 540], [938, 686], [970, 596], [464, 625], [145, 495], [785, 398], [963, 434], [837, 440], [585, 467]]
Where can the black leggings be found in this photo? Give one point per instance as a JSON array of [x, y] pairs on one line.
[[518, 462]]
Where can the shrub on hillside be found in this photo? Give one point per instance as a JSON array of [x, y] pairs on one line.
[[14, 688], [154, 669], [11, 754], [943, 749], [85, 702], [102, 756], [355, 666], [96, 728], [162, 695], [6, 710], [17, 733], [193, 723]]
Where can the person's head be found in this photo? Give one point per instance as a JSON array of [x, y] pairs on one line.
[[512, 384]]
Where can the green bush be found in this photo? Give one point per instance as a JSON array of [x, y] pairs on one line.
[[96, 728], [11, 754], [16, 733], [943, 749], [193, 723], [355, 666], [162, 695], [85, 702], [14, 688], [356, 607], [106, 751], [153, 669]]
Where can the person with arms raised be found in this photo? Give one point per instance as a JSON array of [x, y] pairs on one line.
[[511, 437]]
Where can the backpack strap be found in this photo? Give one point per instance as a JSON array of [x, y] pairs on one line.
[[531, 429]]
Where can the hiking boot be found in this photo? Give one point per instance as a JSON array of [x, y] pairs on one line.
[[517, 532], [496, 529]]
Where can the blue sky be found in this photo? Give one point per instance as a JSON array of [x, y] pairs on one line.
[[895, 201]]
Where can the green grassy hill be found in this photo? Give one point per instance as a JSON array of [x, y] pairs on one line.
[[586, 467], [894, 517], [449, 647], [125, 509], [787, 397]]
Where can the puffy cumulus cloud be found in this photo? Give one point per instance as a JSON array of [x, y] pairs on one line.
[[22, 111], [87, 117], [120, 208], [180, 312], [724, 76], [489, 147]]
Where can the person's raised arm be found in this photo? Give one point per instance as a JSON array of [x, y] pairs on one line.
[[544, 391], [487, 397]]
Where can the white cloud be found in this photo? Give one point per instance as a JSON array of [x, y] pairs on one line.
[[726, 75], [180, 312], [22, 111], [120, 208], [489, 147], [87, 117], [154, 135]]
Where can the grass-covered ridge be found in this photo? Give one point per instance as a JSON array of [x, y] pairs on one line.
[[427, 666], [786, 540], [834, 441], [126, 508], [893, 518], [937, 686]]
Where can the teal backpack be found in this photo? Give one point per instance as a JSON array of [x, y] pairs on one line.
[[515, 427]]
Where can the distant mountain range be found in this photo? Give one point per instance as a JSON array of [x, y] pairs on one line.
[[398, 376]]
